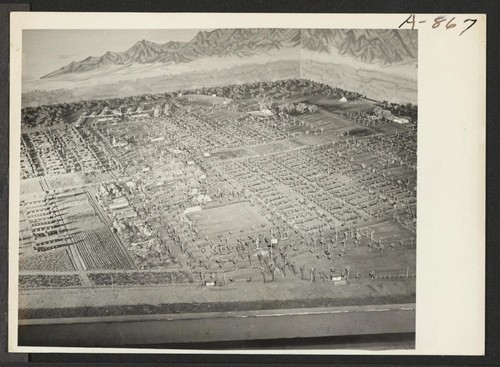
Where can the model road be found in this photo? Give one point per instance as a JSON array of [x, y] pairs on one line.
[[220, 326]]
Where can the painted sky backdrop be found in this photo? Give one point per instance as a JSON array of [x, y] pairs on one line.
[[47, 50]]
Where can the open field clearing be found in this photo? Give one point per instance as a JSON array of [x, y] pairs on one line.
[[228, 218], [203, 100], [393, 233], [65, 181], [31, 186], [277, 147]]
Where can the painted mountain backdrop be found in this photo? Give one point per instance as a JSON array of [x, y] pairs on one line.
[[381, 46], [384, 46], [381, 64]]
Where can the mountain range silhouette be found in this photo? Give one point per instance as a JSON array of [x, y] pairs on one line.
[[386, 47]]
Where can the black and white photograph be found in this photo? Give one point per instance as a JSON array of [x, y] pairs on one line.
[[217, 188]]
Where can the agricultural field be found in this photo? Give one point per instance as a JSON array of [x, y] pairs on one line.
[[57, 260], [25, 236], [49, 281], [329, 122], [99, 250], [139, 278]]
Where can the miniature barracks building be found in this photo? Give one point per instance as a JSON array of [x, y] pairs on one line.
[[50, 242]]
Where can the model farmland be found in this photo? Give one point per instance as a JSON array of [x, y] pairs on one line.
[[281, 194]]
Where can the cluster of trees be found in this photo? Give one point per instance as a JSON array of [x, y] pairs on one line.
[[47, 115], [400, 109], [50, 114], [280, 89], [295, 109], [364, 118]]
